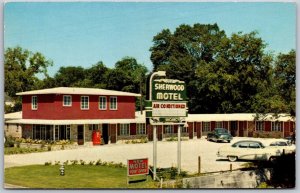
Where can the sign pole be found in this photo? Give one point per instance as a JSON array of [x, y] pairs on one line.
[[179, 149], [154, 151], [158, 73]]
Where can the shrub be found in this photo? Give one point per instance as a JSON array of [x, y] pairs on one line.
[[82, 162], [9, 141], [48, 163], [56, 162], [91, 163], [98, 162], [74, 162]]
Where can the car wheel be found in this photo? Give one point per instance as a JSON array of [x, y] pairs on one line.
[[228, 141], [232, 158]]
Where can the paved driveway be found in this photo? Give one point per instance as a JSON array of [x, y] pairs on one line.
[[166, 155]]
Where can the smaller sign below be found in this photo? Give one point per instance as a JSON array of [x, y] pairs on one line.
[[169, 109], [137, 167]]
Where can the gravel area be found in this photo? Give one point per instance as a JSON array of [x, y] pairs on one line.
[[166, 155]]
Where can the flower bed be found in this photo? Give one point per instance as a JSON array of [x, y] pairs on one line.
[[46, 145]]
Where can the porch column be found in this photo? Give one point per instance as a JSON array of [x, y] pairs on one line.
[[53, 132]]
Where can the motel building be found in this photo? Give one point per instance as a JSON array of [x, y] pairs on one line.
[[66, 113]]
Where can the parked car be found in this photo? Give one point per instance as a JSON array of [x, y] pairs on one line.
[[281, 144], [248, 150], [218, 135]]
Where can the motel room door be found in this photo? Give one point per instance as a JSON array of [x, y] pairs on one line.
[[105, 133], [233, 128], [80, 135]]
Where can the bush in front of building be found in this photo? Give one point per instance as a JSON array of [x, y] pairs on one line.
[[135, 141], [266, 134], [9, 141]]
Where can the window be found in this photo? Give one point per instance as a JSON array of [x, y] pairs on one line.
[[62, 132], [113, 103], [219, 124], [42, 132], [94, 127], [168, 129], [102, 103], [67, 101], [276, 126], [141, 129], [259, 126], [243, 145], [184, 129], [254, 145], [205, 126], [124, 129], [34, 104], [84, 103]]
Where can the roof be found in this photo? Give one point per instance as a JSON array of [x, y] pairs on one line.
[[15, 115], [79, 91], [237, 117]]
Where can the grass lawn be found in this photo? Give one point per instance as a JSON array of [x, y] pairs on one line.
[[76, 176]]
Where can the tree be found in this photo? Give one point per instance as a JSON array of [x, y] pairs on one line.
[[285, 80], [223, 74], [229, 82], [127, 76], [21, 68], [70, 76], [97, 75], [181, 53]]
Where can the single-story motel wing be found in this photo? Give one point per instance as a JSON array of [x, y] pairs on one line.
[[75, 113]]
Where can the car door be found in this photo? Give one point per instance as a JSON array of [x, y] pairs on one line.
[[256, 151], [243, 151]]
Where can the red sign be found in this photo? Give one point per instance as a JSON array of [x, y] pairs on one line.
[[137, 167]]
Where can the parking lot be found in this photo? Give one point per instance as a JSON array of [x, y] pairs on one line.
[[166, 155]]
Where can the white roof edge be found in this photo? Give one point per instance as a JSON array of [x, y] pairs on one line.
[[71, 122], [77, 90]]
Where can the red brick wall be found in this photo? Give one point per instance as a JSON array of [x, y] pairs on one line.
[[51, 107]]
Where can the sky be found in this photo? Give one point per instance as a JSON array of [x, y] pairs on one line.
[[84, 33]]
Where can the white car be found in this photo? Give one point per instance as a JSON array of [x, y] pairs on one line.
[[248, 150], [281, 144]]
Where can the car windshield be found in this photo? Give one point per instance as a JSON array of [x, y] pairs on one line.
[[221, 130], [248, 144]]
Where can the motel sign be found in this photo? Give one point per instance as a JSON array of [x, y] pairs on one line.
[[168, 99]]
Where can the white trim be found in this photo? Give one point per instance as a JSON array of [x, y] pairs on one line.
[[63, 101], [111, 97], [88, 103], [78, 91], [32, 107], [99, 104]]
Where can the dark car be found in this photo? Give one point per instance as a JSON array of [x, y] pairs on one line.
[[219, 134]]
